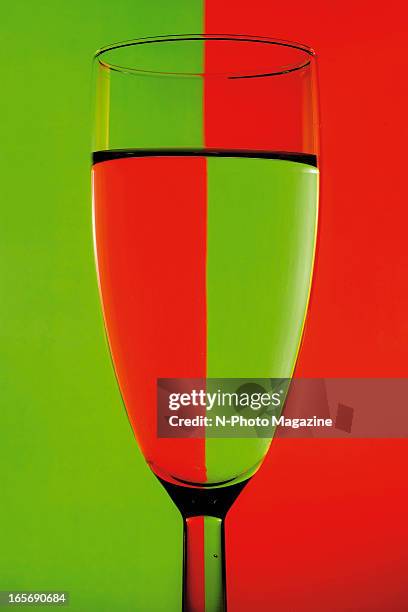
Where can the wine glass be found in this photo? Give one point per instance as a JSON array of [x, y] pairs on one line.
[[205, 189]]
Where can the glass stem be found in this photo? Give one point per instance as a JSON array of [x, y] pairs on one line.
[[204, 565]]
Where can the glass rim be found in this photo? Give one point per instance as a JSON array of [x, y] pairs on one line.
[[306, 52]]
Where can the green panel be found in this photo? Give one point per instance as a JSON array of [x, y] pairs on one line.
[[261, 239], [80, 510], [156, 112]]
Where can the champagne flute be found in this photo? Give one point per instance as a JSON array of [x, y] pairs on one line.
[[205, 189]]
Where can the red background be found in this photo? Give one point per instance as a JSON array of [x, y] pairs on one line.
[[323, 525]]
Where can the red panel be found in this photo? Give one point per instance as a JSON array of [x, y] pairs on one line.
[[322, 528], [334, 530], [254, 113]]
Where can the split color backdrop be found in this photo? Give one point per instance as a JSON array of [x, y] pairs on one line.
[[323, 525]]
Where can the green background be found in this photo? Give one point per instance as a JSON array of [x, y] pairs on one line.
[[80, 510]]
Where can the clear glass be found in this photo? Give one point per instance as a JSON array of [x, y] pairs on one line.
[[205, 188]]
